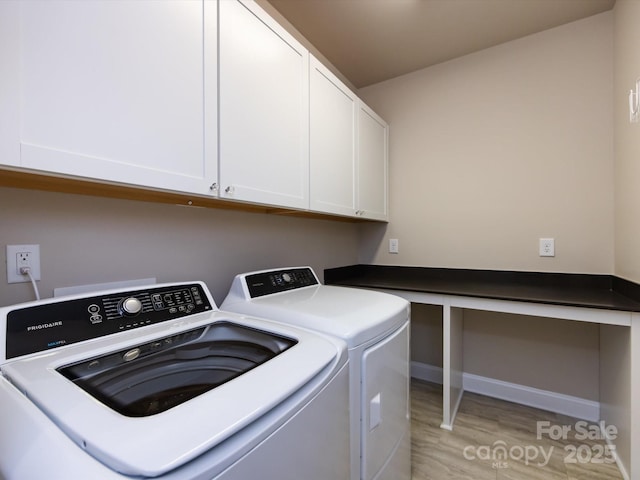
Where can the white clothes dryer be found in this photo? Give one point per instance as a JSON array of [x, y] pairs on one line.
[[375, 326], [158, 383]]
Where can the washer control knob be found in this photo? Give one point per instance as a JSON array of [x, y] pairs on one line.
[[286, 277], [130, 306]]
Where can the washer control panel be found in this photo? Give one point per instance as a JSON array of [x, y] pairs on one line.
[[275, 281], [42, 327]]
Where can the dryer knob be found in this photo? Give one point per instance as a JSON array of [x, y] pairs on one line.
[[131, 306], [286, 277]]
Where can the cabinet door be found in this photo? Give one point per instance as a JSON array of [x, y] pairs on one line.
[[264, 109], [333, 114], [9, 83], [373, 134], [117, 91]]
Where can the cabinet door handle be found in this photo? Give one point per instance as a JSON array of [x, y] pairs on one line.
[[214, 187], [229, 190]]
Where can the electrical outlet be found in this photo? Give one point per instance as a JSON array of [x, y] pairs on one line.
[[23, 260], [20, 256], [547, 247], [393, 245]]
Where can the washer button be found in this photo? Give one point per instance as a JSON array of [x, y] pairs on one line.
[[131, 306]]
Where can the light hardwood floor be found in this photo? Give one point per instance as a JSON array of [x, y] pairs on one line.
[[483, 425]]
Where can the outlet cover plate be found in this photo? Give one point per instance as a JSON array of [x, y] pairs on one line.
[[394, 245], [547, 247], [13, 274]]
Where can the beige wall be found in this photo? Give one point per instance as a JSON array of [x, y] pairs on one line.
[[560, 356], [86, 240], [556, 355], [488, 153], [627, 141], [615, 343], [538, 352], [492, 151]]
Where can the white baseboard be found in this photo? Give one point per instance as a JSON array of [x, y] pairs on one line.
[[512, 392], [426, 372]]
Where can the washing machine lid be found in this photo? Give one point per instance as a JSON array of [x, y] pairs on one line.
[[152, 445], [354, 315]]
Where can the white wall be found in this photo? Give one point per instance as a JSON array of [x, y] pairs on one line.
[[86, 240], [491, 151]]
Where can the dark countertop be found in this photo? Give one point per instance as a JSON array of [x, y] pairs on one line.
[[569, 289]]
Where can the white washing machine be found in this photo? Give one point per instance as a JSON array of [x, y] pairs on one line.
[[157, 382], [376, 328]]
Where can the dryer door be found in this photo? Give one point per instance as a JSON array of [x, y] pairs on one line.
[[385, 404]]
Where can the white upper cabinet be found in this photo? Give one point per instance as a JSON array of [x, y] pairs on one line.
[[264, 109], [333, 143], [373, 138], [348, 150], [204, 97], [122, 91], [9, 83]]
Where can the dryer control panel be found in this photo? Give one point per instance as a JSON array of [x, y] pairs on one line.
[[43, 327], [274, 281]]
